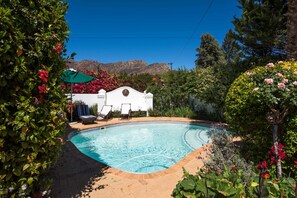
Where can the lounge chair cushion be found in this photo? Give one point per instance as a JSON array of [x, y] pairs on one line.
[[105, 111], [125, 110], [83, 113]]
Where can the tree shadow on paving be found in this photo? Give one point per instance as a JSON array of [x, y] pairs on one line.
[[75, 174]]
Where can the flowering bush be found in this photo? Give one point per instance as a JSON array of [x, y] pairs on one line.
[[32, 102], [104, 81], [275, 86], [260, 98]]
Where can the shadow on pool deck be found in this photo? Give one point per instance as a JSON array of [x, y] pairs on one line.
[[75, 174]]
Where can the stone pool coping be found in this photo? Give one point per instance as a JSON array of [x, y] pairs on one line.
[[80, 176]]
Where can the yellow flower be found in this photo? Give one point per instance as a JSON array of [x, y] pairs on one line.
[[254, 184]]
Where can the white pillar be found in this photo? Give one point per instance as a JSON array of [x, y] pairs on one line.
[[149, 102], [101, 99]]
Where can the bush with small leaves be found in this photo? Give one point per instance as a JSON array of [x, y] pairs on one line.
[[32, 103]]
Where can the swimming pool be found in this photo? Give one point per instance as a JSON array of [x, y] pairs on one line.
[[141, 147]]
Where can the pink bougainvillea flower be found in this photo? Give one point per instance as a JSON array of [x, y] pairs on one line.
[[250, 73], [281, 85], [295, 72], [270, 65], [268, 81], [280, 62], [295, 83], [42, 89], [36, 101], [58, 48], [295, 163], [285, 81], [279, 75], [61, 140], [54, 36], [43, 75]]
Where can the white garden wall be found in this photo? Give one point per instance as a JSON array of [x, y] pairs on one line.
[[139, 101], [89, 99]]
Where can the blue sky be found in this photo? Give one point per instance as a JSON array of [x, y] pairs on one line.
[[160, 31]]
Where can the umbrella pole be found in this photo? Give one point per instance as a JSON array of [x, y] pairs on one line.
[[71, 106]]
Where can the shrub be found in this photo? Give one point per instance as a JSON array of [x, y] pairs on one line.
[[290, 140], [185, 112], [104, 80], [170, 92], [227, 174], [93, 109], [256, 93], [32, 103]]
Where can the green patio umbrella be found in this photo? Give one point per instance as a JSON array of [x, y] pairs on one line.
[[72, 76]]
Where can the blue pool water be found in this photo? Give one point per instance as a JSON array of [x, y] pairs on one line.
[[141, 147]]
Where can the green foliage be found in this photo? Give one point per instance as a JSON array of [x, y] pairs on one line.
[[93, 109], [250, 98], [211, 85], [32, 34], [138, 114], [209, 53], [260, 30], [170, 92], [185, 112], [290, 140], [140, 82], [203, 185], [226, 174], [204, 114], [231, 48]]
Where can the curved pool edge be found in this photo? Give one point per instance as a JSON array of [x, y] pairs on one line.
[[199, 155], [196, 155]]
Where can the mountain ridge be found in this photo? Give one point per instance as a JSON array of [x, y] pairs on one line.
[[120, 67]]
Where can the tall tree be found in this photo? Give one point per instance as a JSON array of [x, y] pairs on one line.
[[292, 30], [231, 48], [260, 30], [209, 53]]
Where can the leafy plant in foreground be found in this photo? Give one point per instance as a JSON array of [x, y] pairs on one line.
[[32, 103]]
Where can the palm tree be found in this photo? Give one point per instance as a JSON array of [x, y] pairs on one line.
[[292, 29]]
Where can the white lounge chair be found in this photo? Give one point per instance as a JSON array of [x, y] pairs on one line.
[[105, 111], [125, 110]]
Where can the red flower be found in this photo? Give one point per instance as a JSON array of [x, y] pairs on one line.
[[43, 75], [262, 166], [295, 163], [42, 89], [58, 48], [40, 97], [281, 154], [265, 175]]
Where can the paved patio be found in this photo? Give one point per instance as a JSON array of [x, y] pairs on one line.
[[77, 175]]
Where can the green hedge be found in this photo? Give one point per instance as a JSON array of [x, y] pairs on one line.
[[32, 34]]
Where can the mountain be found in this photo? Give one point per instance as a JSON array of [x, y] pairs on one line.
[[129, 67]]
